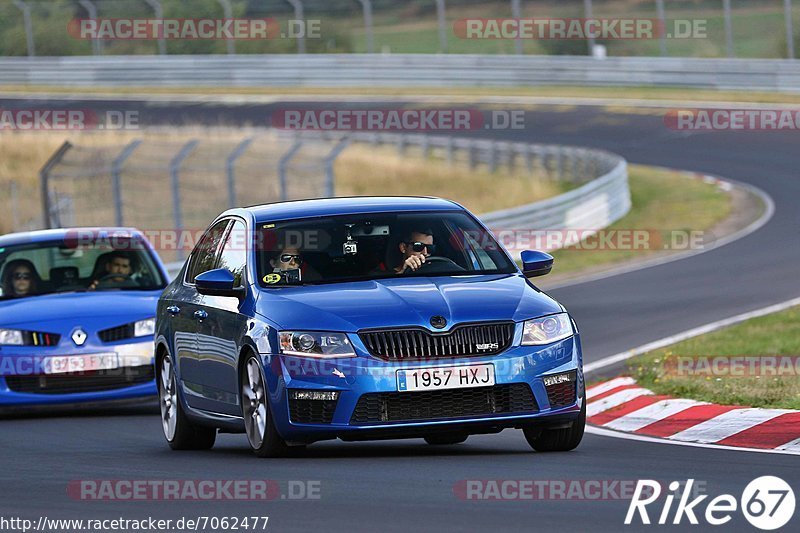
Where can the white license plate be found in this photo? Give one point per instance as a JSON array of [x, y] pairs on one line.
[[67, 364], [447, 377]]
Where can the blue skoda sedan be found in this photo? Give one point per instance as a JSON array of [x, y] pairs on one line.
[[77, 317], [363, 318]]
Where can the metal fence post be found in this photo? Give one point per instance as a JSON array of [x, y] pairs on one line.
[[90, 8], [26, 18], [174, 173], [283, 165], [516, 13], [44, 182], [588, 14], [473, 156], [330, 159], [366, 5], [116, 178], [230, 169], [787, 13], [228, 14], [726, 5], [158, 11], [298, 15], [450, 149], [662, 39], [492, 156], [442, 22]]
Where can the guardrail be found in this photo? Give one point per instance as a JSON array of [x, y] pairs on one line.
[[602, 198], [399, 70]]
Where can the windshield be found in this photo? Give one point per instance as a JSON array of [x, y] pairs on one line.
[[50, 267], [375, 246]]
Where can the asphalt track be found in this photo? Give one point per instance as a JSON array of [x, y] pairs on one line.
[[407, 485]]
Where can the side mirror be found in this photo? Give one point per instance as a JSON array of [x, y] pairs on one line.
[[218, 282], [536, 263]]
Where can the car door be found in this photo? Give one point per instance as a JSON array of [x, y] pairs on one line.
[[222, 328], [184, 311]]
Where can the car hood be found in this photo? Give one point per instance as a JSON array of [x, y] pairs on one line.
[[404, 302], [112, 305]]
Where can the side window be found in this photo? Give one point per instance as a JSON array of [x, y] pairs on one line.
[[234, 252], [205, 251]]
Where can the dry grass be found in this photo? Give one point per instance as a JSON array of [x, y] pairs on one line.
[[146, 188], [380, 170]]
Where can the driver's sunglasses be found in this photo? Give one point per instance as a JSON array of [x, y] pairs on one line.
[[21, 275], [287, 258], [417, 247]]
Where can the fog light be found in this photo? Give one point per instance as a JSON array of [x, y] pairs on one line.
[[559, 378], [313, 395]]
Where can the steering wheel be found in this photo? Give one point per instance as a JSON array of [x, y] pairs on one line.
[[437, 262], [116, 280]]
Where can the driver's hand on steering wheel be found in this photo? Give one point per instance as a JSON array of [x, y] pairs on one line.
[[413, 262]]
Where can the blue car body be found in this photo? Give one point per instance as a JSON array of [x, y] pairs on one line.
[[209, 351], [22, 380]]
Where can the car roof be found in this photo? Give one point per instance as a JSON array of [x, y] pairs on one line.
[[46, 235], [344, 206]]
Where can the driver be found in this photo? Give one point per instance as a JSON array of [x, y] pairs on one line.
[[118, 270], [416, 246]]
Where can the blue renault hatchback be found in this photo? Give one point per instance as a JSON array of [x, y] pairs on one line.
[[77, 317], [363, 318]]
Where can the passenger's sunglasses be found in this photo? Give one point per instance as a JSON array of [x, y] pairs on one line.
[[287, 258], [417, 247], [21, 275]]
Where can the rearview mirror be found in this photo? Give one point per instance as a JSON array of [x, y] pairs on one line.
[[535, 263], [218, 282]]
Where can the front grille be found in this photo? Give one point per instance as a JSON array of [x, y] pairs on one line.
[[374, 408], [38, 338], [116, 334], [312, 411], [419, 343], [562, 394], [96, 381]]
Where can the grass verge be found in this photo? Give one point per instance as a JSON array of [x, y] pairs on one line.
[[667, 205], [772, 335]]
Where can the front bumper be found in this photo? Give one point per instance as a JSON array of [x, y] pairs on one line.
[[23, 381], [519, 369]]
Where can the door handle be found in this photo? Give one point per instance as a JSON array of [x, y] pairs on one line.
[[173, 310], [200, 314]]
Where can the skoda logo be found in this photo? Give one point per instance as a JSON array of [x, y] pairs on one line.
[[79, 337], [438, 322]]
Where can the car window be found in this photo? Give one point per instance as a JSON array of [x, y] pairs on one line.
[[234, 252], [66, 266], [204, 254], [374, 246]]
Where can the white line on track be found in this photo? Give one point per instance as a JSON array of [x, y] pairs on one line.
[[597, 390]]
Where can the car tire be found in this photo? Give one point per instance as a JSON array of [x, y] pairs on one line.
[[445, 439], [558, 440], [263, 436], [180, 432]]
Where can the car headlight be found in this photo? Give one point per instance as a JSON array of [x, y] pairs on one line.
[[546, 329], [11, 336], [144, 327], [316, 344]]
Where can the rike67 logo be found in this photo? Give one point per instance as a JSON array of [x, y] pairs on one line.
[[767, 503]]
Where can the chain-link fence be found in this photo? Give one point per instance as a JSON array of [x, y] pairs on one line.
[[731, 28]]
